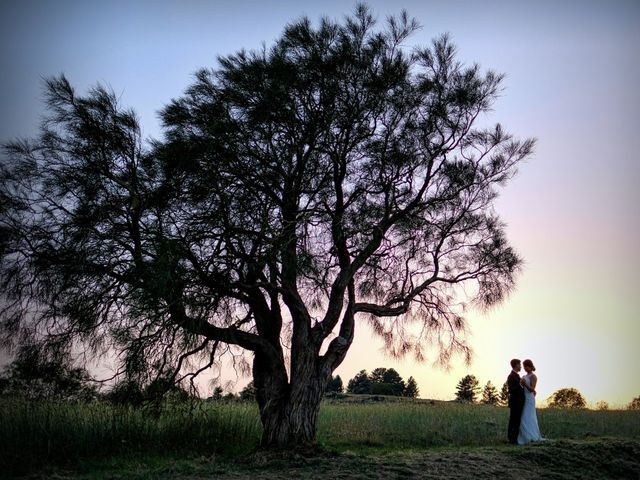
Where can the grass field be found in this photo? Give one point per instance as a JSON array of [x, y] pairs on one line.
[[408, 439]]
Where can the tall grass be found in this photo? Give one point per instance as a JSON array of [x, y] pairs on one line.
[[410, 425], [422, 424], [41, 433], [35, 433]]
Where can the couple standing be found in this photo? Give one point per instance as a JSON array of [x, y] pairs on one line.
[[523, 422]]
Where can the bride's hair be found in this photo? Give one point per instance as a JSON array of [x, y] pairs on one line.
[[529, 363]]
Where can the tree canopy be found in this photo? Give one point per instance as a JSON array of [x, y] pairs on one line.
[[567, 398], [382, 381], [360, 383], [332, 176], [386, 381], [34, 374], [467, 389], [504, 395], [490, 394], [335, 384], [411, 390]]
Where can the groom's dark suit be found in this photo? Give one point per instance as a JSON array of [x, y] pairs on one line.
[[516, 403]]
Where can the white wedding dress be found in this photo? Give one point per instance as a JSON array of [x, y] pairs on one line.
[[529, 430]]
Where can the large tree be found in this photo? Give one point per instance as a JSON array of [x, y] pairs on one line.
[[333, 176]]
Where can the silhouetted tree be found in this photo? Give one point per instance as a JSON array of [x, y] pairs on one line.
[[130, 392], [248, 392], [330, 176], [504, 395], [360, 383], [567, 398], [217, 393], [411, 389], [634, 404], [602, 405], [377, 375], [39, 374], [386, 381], [382, 389], [126, 392], [490, 394], [467, 389], [164, 388], [394, 379], [335, 384]]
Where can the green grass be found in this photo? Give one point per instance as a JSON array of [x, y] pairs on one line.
[[39, 435], [411, 425], [421, 424]]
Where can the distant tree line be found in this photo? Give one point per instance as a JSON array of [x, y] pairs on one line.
[[383, 381], [37, 374], [468, 390]]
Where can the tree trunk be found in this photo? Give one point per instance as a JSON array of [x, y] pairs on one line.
[[289, 412], [294, 422]]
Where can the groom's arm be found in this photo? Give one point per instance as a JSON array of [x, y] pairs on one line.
[[530, 388], [513, 383]]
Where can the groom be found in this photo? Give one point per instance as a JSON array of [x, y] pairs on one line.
[[516, 401]]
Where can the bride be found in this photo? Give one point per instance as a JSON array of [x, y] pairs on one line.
[[529, 431]]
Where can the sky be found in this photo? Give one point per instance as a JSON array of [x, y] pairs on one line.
[[572, 72]]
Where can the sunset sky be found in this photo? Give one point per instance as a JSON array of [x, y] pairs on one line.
[[573, 212]]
